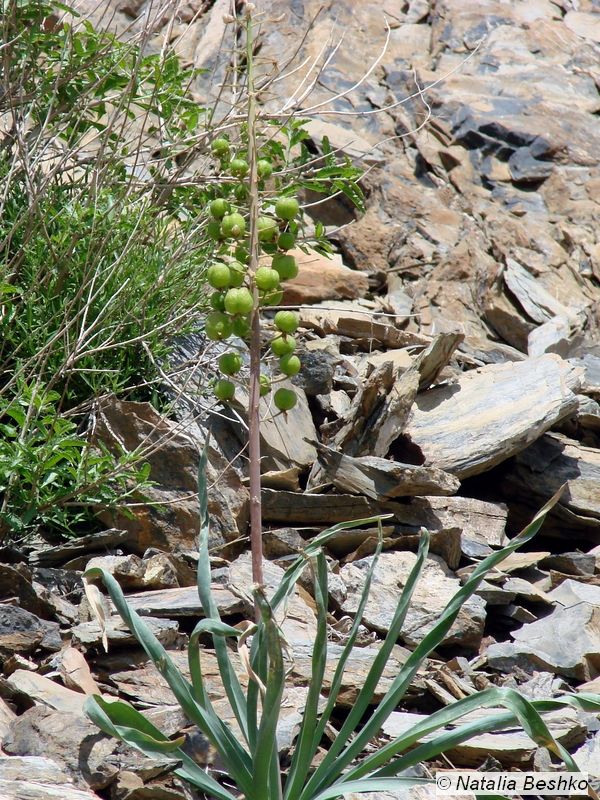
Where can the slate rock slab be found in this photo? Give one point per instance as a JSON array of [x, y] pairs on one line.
[[566, 642], [73, 742], [181, 602], [435, 588], [491, 413], [38, 778], [22, 632], [90, 634], [44, 690]]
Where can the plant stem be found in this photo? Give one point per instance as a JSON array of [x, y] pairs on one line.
[[253, 406]]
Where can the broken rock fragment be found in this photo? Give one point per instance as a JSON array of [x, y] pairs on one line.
[[435, 588]]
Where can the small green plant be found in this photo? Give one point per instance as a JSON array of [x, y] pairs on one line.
[[49, 475]]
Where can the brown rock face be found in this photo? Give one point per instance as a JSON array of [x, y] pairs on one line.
[[173, 457], [321, 278]]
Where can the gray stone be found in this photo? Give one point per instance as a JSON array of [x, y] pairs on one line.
[[70, 740], [89, 634], [567, 642], [183, 602], [524, 168], [487, 416], [22, 632], [435, 588]]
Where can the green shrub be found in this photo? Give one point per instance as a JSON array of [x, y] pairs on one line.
[[102, 253], [49, 475]]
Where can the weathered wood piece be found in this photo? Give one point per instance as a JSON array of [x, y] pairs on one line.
[[492, 413], [380, 479]]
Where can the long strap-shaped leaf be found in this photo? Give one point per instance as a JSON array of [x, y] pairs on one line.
[[235, 758], [259, 663], [328, 771], [304, 749], [492, 723], [311, 550], [216, 628], [266, 741], [525, 711], [231, 682], [120, 720], [329, 765], [370, 785]]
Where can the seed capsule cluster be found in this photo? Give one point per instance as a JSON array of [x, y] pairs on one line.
[[232, 302]]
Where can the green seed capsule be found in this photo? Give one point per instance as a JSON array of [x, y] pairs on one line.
[[266, 279], [290, 364], [218, 326], [264, 168], [224, 390], [238, 301], [287, 208], [230, 363], [285, 399], [233, 226], [218, 208], [286, 321], [238, 167], [283, 345], [285, 265], [286, 241], [219, 276]]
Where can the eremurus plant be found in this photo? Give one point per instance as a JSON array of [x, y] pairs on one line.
[[250, 755]]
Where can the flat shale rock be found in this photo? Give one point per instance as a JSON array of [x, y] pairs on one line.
[[183, 602], [566, 642], [553, 460], [435, 588], [82, 546], [70, 740], [6, 717], [511, 746], [89, 634], [16, 584], [314, 509], [480, 521], [587, 757], [357, 669], [157, 571], [380, 479], [38, 778], [22, 632], [44, 690], [321, 278], [491, 413], [297, 618]]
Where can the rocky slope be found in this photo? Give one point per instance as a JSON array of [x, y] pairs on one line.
[[451, 378]]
